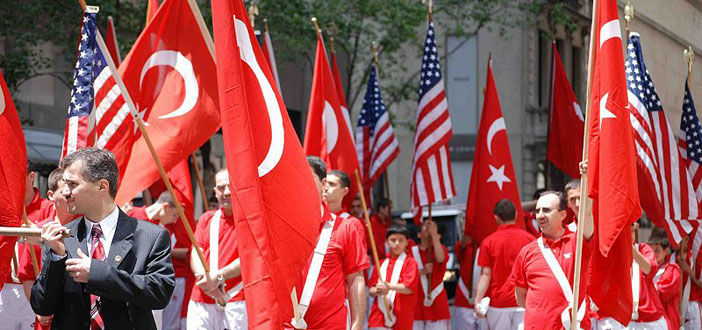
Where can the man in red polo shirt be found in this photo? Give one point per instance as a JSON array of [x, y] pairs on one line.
[[537, 285], [330, 276], [215, 233], [380, 221], [668, 279], [37, 208], [497, 254], [464, 318], [432, 310], [336, 188]]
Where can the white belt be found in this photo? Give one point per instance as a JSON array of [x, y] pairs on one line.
[[563, 283]]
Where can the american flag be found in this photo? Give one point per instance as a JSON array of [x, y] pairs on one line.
[[98, 112], [376, 144], [660, 161], [432, 179]]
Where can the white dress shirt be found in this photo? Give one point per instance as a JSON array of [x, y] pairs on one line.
[[108, 226]]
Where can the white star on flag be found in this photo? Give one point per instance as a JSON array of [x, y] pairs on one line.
[[498, 176]]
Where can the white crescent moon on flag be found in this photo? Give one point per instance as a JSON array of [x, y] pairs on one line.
[[331, 126], [347, 118], [496, 126], [2, 102], [275, 150], [184, 67]]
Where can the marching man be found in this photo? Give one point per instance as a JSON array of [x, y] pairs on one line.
[[335, 271], [667, 279], [497, 254], [432, 310], [215, 234], [336, 188]]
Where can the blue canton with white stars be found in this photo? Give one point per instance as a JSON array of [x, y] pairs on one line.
[[431, 69], [373, 106], [638, 79], [89, 63], [690, 124]]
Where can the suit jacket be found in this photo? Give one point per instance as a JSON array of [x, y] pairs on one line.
[[136, 277]]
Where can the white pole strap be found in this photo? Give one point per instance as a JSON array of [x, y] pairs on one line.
[[464, 289], [390, 317], [313, 273], [563, 282], [476, 276], [429, 296], [635, 286], [214, 241]]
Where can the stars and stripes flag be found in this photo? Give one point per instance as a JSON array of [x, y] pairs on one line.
[[97, 106], [665, 187], [690, 144], [432, 179], [376, 144]]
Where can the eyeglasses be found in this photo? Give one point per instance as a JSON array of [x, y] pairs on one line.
[[543, 209], [222, 187]]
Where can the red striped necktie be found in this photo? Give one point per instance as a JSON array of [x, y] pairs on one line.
[[96, 322]]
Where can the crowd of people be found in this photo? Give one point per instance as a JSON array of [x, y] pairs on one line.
[[117, 272]]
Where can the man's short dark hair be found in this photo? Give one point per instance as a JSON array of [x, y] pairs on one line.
[[30, 166], [397, 228], [381, 202], [562, 202], [318, 166], [343, 177], [54, 177], [658, 236], [505, 210], [572, 184], [538, 193], [98, 164], [166, 198]]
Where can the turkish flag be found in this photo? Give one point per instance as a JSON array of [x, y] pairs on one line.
[[567, 124], [13, 174], [276, 203], [492, 178], [353, 190], [111, 42], [171, 76], [612, 169], [179, 176], [151, 9], [327, 134]]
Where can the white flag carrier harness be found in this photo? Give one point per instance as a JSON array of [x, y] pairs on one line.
[[429, 296], [390, 317], [563, 283], [214, 253]]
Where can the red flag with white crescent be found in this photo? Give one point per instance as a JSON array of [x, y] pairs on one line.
[[276, 203]]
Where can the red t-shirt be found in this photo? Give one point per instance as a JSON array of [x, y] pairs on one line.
[[179, 240], [39, 209], [345, 255], [404, 303], [228, 252], [379, 231], [544, 298], [498, 252], [439, 310], [668, 285], [650, 307], [465, 264], [358, 223]]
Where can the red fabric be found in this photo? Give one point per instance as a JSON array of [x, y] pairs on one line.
[[182, 241], [274, 195], [327, 134], [530, 224], [13, 174], [98, 253], [379, 232], [175, 29], [26, 266], [228, 251], [345, 256], [439, 310], [404, 303], [668, 287], [151, 9], [359, 225], [39, 208], [567, 123], [111, 42], [612, 169], [544, 298], [465, 264], [348, 199], [498, 252], [492, 178], [139, 212]]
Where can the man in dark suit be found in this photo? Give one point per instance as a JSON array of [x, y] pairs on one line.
[[113, 270]]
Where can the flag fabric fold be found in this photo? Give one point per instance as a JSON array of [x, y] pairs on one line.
[[492, 177], [611, 170], [111, 42], [277, 206]]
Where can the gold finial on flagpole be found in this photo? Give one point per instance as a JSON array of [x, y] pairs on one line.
[[253, 12], [430, 6], [374, 49], [331, 31], [690, 58], [316, 25], [628, 16], [265, 25]]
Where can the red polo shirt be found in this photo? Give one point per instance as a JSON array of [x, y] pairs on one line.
[[544, 298], [379, 231], [228, 252], [465, 264], [498, 252], [668, 285], [359, 225], [404, 303], [439, 310], [39, 208]]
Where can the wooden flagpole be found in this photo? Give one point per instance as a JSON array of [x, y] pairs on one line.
[[200, 185], [27, 232], [149, 144], [628, 16], [32, 254], [584, 200]]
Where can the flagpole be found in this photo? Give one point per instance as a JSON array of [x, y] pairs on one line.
[[162, 171], [371, 238], [200, 185], [32, 253], [689, 55], [27, 232], [584, 200], [628, 16]]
